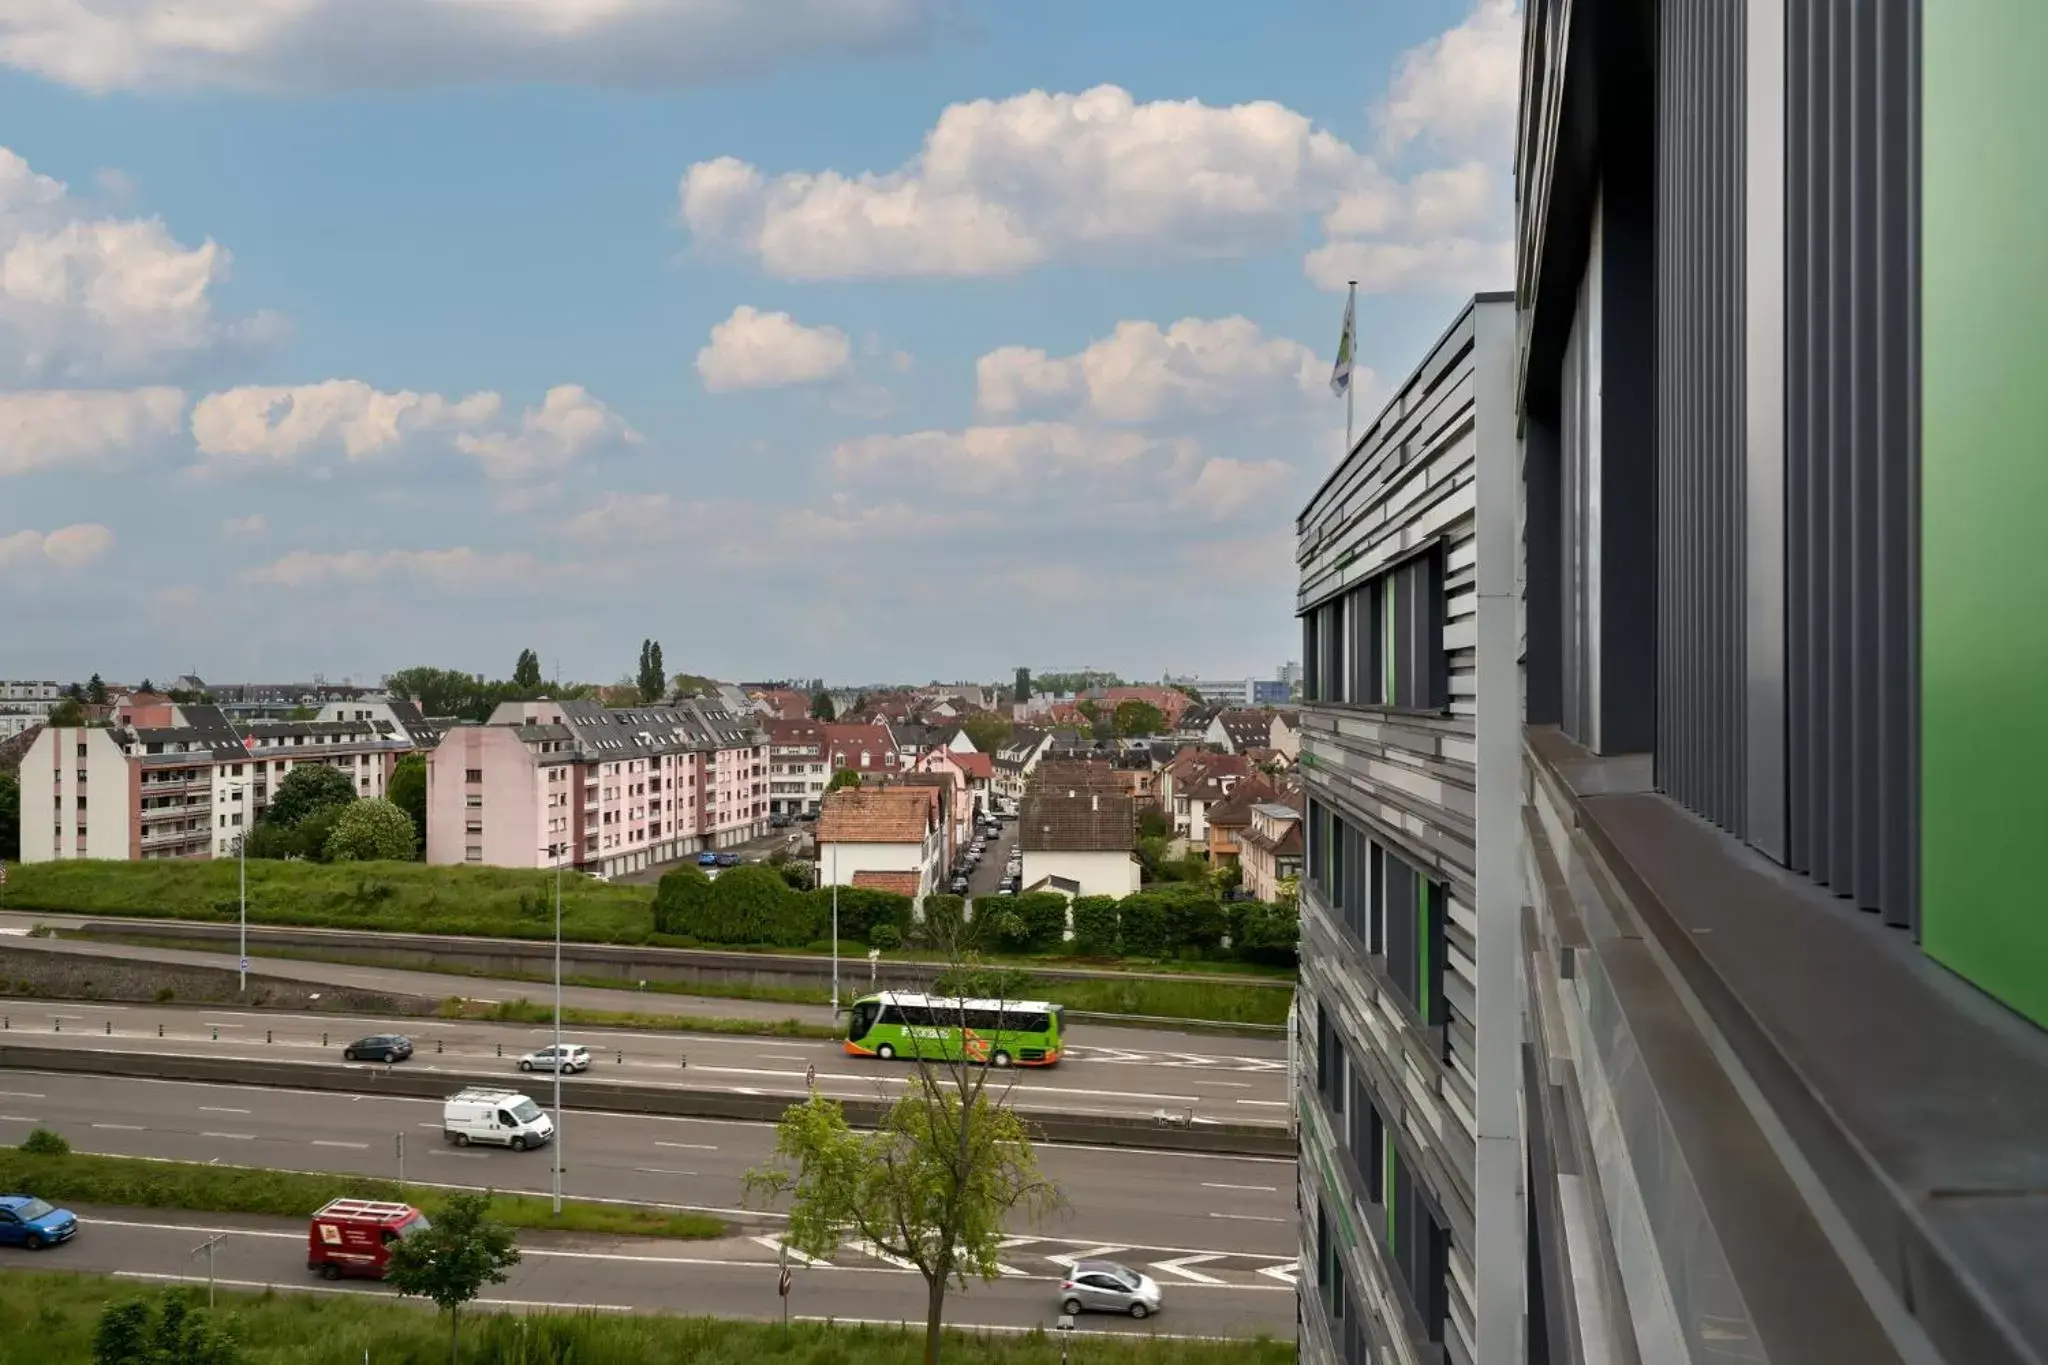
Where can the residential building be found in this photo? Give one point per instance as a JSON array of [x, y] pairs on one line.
[[1014, 765], [1078, 840], [1270, 850], [1238, 692], [780, 703], [179, 781], [1235, 732], [973, 774], [1785, 604], [798, 766], [893, 837], [1194, 723], [867, 748], [1193, 781], [1407, 1004], [605, 790], [26, 703], [403, 717], [1229, 820]]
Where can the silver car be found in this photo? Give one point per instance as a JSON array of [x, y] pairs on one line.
[[574, 1057], [1108, 1287]]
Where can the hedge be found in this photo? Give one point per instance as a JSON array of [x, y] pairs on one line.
[[1095, 926], [1044, 917]]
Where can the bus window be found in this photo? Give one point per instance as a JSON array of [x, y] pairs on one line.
[[862, 1019]]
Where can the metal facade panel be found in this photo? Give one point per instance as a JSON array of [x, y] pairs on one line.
[[1852, 449], [1701, 421]]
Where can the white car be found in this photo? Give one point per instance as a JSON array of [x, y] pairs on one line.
[[573, 1057]]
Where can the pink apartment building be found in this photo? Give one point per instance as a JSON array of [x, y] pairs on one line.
[[178, 781], [599, 789]]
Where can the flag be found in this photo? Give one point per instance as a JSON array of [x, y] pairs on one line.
[[1340, 377]]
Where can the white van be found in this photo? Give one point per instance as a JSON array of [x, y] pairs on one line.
[[504, 1118]]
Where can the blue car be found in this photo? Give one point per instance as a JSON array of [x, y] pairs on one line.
[[707, 859], [32, 1223]]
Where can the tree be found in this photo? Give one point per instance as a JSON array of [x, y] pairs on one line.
[[307, 789], [181, 1334], [66, 714], [147, 686], [451, 1262], [1190, 693], [821, 705], [1152, 823], [845, 777], [408, 791], [680, 899], [442, 692], [693, 684], [526, 673], [1135, 718], [653, 679], [96, 691], [10, 818], [1023, 693], [753, 904], [372, 831], [989, 733], [934, 1185]]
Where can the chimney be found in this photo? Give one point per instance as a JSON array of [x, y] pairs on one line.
[[1094, 801]]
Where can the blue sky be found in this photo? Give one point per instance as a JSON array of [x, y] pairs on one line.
[[872, 338]]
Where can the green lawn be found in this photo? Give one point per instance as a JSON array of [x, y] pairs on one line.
[[50, 1318], [133, 1182]]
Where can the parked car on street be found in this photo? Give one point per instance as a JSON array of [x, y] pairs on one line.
[[378, 1047], [1109, 1287], [778, 821], [958, 886], [728, 860], [707, 859], [26, 1221], [574, 1057]]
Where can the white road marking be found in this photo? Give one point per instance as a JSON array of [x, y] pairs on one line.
[[1184, 1267], [907, 1325], [774, 1244], [123, 1127], [1262, 1189], [1275, 1104], [885, 1257], [272, 1287], [1250, 1218], [660, 1170], [1287, 1274], [18, 1118], [687, 1146], [465, 1156], [354, 1146], [19, 1095], [781, 1057], [236, 1137], [219, 1109], [1094, 1253]]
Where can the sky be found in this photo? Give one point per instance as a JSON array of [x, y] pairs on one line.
[[868, 339]]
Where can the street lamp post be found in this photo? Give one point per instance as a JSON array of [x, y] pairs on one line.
[[558, 1031], [835, 933]]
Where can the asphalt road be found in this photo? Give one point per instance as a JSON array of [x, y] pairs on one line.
[[733, 1278], [1092, 1079], [1139, 1206], [982, 881]]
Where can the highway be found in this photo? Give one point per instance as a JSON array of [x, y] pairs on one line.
[[731, 1278], [1094, 1079], [1148, 1205]]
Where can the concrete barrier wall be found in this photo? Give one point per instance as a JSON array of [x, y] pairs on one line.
[[586, 1092]]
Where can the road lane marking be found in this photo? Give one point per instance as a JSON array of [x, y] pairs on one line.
[[660, 1170], [235, 1137], [687, 1146], [18, 1118], [1262, 1189], [1287, 1274], [466, 1156], [906, 1325], [1276, 1104], [353, 1146], [20, 1095], [1250, 1218], [123, 1127], [1183, 1266], [781, 1057], [1094, 1253], [775, 1244], [885, 1257], [219, 1109]]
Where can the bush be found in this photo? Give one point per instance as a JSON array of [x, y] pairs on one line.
[[751, 904], [680, 899], [1044, 916], [1141, 924], [1008, 929], [373, 831], [861, 910], [887, 937], [183, 1334], [946, 923], [1152, 823], [43, 1142], [1095, 926], [1266, 934], [1194, 919]]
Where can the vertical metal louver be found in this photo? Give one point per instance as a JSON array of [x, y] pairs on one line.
[[1852, 448], [1701, 487]]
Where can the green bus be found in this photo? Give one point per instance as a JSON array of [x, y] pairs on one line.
[[998, 1032]]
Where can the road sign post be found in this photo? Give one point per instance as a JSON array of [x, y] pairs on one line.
[[207, 1246], [783, 1283], [1065, 1326], [398, 1140], [811, 1077]]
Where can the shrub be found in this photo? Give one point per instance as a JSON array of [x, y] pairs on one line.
[[1142, 924], [679, 900], [43, 1142], [946, 923], [1095, 926], [1044, 917], [372, 831], [747, 904], [861, 910], [1194, 919], [1008, 929], [1267, 934], [887, 937]]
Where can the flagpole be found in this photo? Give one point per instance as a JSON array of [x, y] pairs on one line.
[[1350, 389]]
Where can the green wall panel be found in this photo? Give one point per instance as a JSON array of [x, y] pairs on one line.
[[1984, 495]]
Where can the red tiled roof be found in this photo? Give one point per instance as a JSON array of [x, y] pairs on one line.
[[902, 883], [974, 765], [858, 815]]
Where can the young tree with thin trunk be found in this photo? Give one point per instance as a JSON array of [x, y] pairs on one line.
[[452, 1261], [934, 1185]]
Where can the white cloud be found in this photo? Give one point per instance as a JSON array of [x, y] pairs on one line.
[[756, 350], [284, 427], [1457, 264], [92, 299], [1034, 455], [1459, 89], [1226, 488], [68, 547], [72, 429], [280, 425], [567, 424], [287, 46], [1139, 373], [252, 527], [458, 570], [1003, 185], [630, 516]]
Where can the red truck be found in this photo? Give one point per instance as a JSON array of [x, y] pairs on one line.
[[355, 1236]]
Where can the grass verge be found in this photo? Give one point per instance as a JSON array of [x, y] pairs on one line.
[[534, 1012], [84, 1179], [51, 1317]]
